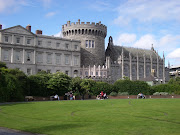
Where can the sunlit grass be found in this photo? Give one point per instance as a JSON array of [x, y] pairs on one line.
[[95, 117]]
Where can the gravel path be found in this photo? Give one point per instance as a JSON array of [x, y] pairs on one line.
[[6, 131]]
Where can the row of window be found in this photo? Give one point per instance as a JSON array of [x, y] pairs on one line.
[[90, 44], [29, 55], [28, 41]]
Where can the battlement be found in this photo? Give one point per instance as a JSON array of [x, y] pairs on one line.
[[84, 28]]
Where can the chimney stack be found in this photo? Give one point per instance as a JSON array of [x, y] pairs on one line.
[[28, 27], [0, 27], [39, 32]]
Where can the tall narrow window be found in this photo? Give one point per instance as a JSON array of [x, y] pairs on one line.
[[6, 55], [17, 40], [6, 38], [28, 56], [92, 43], [39, 57], [39, 42], [76, 47], [66, 46], [58, 59], [29, 71], [57, 45], [18, 56], [86, 43], [75, 60], [49, 58], [89, 43], [49, 44], [28, 41], [66, 59]]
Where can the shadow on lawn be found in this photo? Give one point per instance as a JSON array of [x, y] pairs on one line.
[[55, 128]]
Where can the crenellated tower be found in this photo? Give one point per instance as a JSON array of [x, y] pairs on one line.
[[92, 37]]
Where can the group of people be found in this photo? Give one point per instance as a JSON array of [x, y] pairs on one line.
[[140, 95], [102, 95]]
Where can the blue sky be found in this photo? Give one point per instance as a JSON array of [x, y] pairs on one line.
[[135, 23]]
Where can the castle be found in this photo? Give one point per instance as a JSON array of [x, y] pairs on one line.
[[81, 52]]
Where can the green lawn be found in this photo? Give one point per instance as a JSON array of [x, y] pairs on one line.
[[95, 117]]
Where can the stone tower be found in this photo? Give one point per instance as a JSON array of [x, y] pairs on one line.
[[92, 37]]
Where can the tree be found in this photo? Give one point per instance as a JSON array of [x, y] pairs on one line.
[[101, 86], [75, 85], [59, 83], [86, 86]]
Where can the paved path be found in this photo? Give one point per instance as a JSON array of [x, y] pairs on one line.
[[6, 131]]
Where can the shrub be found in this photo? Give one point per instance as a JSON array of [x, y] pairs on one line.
[[113, 93], [123, 93], [161, 93]]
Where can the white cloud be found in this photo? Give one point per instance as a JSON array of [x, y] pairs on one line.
[[174, 54], [10, 6], [59, 34], [125, 39], [50, 14], [148, 10], [146, 42]]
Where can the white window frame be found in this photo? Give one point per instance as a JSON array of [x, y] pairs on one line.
[[67, 61], [6, 39], [18, 39], [6, 55], [28, 41], [49, 58]]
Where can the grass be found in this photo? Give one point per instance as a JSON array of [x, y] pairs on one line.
[[95, 117]]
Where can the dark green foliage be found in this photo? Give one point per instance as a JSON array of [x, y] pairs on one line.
[[101, 86], [59, 83], [132, 87], [3, 65], [38, 85], [113, 93], [76, 85]]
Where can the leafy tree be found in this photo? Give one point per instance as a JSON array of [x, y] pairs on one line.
[[101, 86], [59, 83], [38, 85], [75, 85], [86, 86]]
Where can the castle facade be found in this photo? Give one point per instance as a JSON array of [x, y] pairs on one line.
[[81, 52]]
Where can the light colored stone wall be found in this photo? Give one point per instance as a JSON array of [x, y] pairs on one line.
[[18, 57]]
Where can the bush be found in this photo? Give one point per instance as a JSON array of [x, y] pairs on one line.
[[123, 93], [161, 93], [113, 93]]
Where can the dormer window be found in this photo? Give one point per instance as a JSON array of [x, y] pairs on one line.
[[6, 38], [17, 40]]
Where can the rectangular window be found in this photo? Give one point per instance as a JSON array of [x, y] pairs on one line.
[[76, 47], [39, 42], [58, 59], [29, 71], [6, 38], [75, 60], [6, 55], [89, 43], [96, 73], [86, 43], [28, 56], [17, 40], [49, 44], [28, 41], [17, 56], [66, 72], [66, 59], [92, 43], [49, 58], [39, 57], [67, 46], [57, 45]]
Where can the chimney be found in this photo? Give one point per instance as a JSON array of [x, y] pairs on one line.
[[39, 32], [28, 27], [0, 27]]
